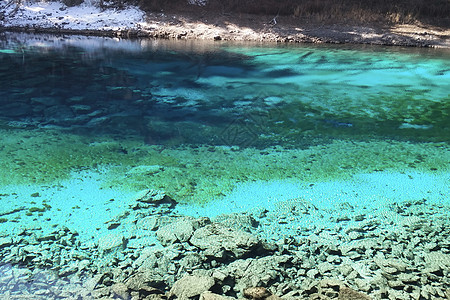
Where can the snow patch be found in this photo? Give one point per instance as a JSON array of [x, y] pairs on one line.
[[83, 17]]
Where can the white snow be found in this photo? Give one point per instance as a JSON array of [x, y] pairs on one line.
[[86, 16]]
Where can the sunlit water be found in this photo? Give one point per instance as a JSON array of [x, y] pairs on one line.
[[87, 122]]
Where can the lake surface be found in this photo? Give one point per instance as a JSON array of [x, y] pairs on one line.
[[222, 128]]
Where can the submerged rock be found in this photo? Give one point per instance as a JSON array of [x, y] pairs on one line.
[[191, 286], [217, 240], [256, 293], [111, 242], [180, 231], [153, 197]]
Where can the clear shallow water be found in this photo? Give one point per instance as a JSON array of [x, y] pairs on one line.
[[95, 102]]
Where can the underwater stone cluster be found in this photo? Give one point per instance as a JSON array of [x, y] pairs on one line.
[[153, 252]]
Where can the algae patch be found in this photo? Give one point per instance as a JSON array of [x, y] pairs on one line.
[[202, 173]]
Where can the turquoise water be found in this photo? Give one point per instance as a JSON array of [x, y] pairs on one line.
[[201, 94], [305, 139]]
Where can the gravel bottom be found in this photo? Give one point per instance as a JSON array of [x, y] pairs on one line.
[[152, 251]]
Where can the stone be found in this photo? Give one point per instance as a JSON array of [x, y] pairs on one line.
[[312, 273], [212, 296], [149, 196], [238, 221], [390, 266], [252, 272], [191, 261], [149, 223], [153, 197], [256, 293], [273, 297], [111, 242], [409, 278], [191, 286], [437, 259], [141, 283], [180, 231], [324, 267], [346, 293], [216, 238], [120, 290], [59, 114], [362, 284], [5, 242], [346, 269]]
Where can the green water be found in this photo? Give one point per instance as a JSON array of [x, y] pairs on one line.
[[195, 119]]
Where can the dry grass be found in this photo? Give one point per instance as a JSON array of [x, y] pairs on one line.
[[393, 12], [436, 12]]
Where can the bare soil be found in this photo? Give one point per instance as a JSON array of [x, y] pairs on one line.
[[245, 27], [197, 23]]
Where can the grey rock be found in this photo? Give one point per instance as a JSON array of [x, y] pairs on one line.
[[75, 99], [437, 259], [256, 293], [149, 223], [191, 286], [5, 242], [59, 114], [252, 272], [153, 197], [120, 290], [408, 278], [180, 231], [81, 108], [324, 267], [191, 261], [141, 282], [238, 221], [312, 273], [111, 242], [216, 238], [212, 296]]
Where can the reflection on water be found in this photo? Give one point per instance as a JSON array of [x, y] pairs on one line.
[[288, 141]]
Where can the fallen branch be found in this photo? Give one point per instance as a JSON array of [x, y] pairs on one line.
[[274, 22]]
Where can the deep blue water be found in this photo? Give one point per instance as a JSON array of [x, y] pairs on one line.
[[220, 93]]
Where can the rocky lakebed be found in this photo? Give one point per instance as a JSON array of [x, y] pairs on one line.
[[294, 250]]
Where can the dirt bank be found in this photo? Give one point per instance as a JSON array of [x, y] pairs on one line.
[[290, 29], [208, 25]]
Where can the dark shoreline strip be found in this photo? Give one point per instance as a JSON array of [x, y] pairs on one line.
[[161, 34]]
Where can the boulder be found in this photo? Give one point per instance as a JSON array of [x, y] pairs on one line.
[[261, 272], [212, 296], [346, 293], [256, 293], [142, 283], [191, 286], [151, 197], [111, 242], [216, 239], [180, 231]]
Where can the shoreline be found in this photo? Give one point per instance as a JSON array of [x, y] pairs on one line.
[[327, 36], [131, 22]]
